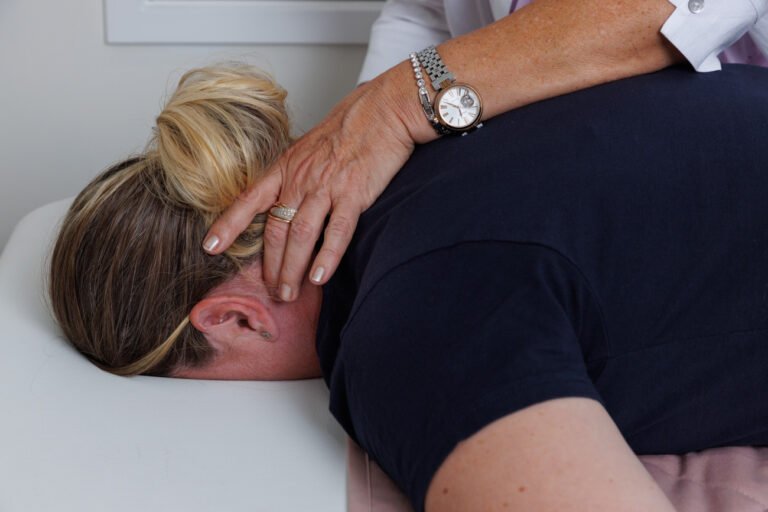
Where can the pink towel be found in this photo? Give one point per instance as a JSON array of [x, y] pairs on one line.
[[732, 479]]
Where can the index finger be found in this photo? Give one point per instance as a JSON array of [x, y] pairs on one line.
[[258, 198]]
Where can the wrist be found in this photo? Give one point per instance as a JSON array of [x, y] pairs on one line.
[[399, 87]]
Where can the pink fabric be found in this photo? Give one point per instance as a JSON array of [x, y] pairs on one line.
[[518, 4], [743, 51], [732, 479]]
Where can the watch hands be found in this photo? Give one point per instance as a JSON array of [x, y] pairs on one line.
[[457, 108]]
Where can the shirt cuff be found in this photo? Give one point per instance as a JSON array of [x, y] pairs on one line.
[[701, 29]]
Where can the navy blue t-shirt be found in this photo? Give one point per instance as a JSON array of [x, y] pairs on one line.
[[610, 244]]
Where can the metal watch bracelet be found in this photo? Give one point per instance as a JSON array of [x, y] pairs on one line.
[[435, 67], [424, 99]]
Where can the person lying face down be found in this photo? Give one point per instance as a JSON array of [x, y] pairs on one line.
[[129, 285], [521, 313]]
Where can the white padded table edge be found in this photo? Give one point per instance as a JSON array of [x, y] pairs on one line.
[[75, 438]]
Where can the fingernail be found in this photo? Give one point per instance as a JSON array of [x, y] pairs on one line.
[[285, 292], [317, 275], [211, 243]]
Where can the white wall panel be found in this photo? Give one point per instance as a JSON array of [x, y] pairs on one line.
[[240, 21]]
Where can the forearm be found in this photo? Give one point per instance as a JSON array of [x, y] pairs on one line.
[[548, 48]]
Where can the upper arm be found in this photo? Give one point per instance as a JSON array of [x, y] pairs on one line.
[[404, 26], [559, 455], [452, 341]]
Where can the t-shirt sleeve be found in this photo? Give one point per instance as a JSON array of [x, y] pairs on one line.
[[454, 340]]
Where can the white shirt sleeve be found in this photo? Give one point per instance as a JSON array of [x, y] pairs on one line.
[[701, 29], [404, 26]]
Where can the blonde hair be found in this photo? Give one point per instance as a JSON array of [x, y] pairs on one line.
[[128, 266]]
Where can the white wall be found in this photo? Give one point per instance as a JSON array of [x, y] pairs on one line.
[[70, 104]]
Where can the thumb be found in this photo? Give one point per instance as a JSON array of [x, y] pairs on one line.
[[258, 198]]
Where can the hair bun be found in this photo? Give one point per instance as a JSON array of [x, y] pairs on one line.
[[219, 131]]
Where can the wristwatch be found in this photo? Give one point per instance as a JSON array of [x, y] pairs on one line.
[[457, 107]]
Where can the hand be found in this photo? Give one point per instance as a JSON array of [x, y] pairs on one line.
[[339, 168]]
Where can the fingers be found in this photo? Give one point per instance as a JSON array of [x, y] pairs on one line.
[[301, 239], [256, 199], [275, 237], [338, 235], [338, 166]]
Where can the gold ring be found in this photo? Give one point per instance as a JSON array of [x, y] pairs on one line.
[[282, 213]]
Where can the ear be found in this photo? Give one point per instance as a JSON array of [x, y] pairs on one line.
[[227, 319]]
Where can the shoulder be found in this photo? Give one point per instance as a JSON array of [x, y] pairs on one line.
[[464, 280]]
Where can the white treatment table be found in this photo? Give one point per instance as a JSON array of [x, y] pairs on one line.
[[77, 439]]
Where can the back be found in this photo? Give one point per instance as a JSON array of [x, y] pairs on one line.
[[610, 244]]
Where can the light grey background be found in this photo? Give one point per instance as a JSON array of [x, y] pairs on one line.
[[70, 104]]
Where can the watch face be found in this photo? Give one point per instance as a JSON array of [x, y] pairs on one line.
[[458, 106]]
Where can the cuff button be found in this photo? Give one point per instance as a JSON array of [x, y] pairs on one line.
[[695, 6]]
